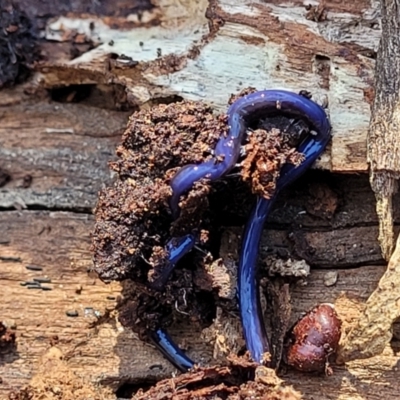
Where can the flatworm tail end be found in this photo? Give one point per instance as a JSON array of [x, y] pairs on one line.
[[249, 298], [170, 350]]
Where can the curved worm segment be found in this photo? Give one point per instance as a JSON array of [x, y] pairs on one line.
[[241, 114], [177, 247], [170, 350]]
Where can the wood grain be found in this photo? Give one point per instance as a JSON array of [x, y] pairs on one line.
[[64, 148], [328, 49], [99, 349], [202, 50], [94, 343]]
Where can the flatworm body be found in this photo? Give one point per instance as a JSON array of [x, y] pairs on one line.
[[241, 115]]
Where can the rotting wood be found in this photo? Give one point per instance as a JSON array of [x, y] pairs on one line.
[[373, 330], [335, 59], [64, 149], [383, 136], [325, 248], [59, 242], [174, 52]]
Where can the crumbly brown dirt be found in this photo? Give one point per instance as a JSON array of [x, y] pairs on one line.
[[133, 216], [55, 381], [267, 153], [133, 221]]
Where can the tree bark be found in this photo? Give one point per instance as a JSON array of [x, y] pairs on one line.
[[383, 136], [373, 330]]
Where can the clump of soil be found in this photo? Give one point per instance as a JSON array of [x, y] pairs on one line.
[[18, 45], [134, 222], [267, 153], [133, 219]]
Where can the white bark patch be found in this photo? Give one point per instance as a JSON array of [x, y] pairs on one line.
[[325, 57]]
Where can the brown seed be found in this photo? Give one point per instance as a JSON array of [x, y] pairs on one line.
[[313, 339]]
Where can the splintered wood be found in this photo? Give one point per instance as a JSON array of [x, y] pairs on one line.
[[208, 50], [265, 385], [383, 137], [373, 331], [54, 379]]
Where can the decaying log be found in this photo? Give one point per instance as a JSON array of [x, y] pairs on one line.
[[56, 154], [208, 50], [374, 329], [59, 131], [77, 315], [97, 349]]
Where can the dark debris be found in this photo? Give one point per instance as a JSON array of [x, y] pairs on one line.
[[42, 10], [5, 177], [18, 45], [323, 200], [222, 383], [7, 336]]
